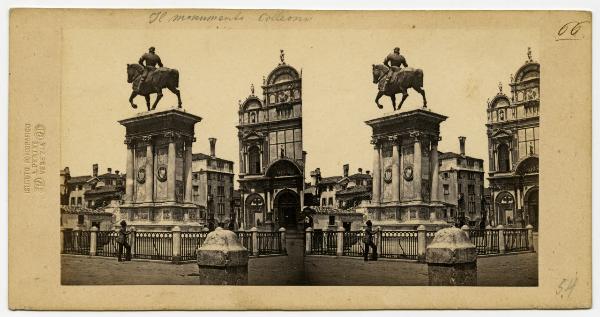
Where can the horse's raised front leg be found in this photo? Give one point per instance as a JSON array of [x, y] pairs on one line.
[[422, 92], [158, 97], [379, 94], [393, 97], [147, 101], [177, 93], [133, 94]]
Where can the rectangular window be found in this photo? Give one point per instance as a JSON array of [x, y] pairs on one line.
[[330, 202], [324, 202], [195, 189], [331, 220], [528, 141], [471, 189], [80, 219], [221, 191], [460, 188], [446, 189], [72, 201], [79, 201]]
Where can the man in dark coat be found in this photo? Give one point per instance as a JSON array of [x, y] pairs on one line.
[[122, 241], [369, 241]]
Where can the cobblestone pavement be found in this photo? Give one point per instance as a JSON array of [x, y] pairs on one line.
[[509, 270]]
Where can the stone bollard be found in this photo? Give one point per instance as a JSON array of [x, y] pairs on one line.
[[465, 228], [176, 245], [451, 259], [205, 229], [308, 246], [222, 260], [282, 235], [421, 242], [132, 232], [62, 240], [501, 243], [254, 233], [340, 241], [530, 237], [488, 238], [93, 240]]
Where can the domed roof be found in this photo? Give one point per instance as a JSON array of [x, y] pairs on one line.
[[282, 73], [500, 100], [251, 102], [529, 70]]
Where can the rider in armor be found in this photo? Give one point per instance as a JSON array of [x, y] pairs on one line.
[[394, 61], [151, 59]]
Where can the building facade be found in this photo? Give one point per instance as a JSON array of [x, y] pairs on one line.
[[212, 188], [342, 192], [513, 142], [92, 191], [461, 187], [271, 154]]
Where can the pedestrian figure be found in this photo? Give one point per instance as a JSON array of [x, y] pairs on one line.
[[122, 241], [368, 240]]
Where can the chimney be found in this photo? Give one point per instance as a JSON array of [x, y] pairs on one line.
[[213, 142], [315, 176], [360, 170], [109, 170], [95, 170], [117, 172], [461, 140], [346, 169]]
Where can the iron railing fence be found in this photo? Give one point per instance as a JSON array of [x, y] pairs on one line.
[[269, 243], [354, 243], [190, 242], [106, 243], [401, 244], [76, 242], [154, 245], [245, 239], [324, 242], [516, 240]]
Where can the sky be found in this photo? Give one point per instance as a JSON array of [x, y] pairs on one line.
[[462, 68]]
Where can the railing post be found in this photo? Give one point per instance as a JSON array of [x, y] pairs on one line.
[[308, 246], [93, 240], [421, 242], [340, 241], [379, 242], [254, 232], [282, 246], [530, 237], [488, 238], [501, 243], [132, 240], [77, 236], [62, 240], [465, 228], [176, 244]]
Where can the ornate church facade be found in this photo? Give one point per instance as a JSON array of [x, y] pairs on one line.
[[514, 143], [271, 154]]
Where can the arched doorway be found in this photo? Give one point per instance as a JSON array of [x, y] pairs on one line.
[[287, 205], [531, 205], [505, 208], [255, 208]]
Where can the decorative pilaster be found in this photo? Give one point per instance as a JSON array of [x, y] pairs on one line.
[[188, 170], [149, 168], [376, 172], [396, 169], [171, 158], [129, 170], [417, 165], [434, 170]]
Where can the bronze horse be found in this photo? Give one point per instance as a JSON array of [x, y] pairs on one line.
[[399, 83], [155, 82]]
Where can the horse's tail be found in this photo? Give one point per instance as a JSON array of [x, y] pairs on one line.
[[419, 78], [175, 77]]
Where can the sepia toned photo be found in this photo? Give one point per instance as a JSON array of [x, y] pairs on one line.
[[276, 148]]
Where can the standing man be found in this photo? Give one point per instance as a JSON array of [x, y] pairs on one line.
[[149, 61], [394, 61], [122, 241], [369, 241]]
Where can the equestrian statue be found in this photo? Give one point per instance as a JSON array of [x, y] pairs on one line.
[[148, 79], [394, 76]]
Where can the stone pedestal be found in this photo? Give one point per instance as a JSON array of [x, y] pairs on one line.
[[222, 260], [451, 259], [159, 167], [405, 170]]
